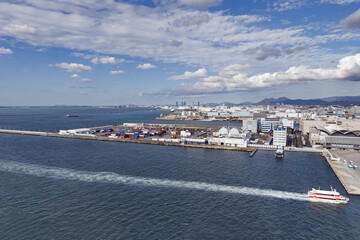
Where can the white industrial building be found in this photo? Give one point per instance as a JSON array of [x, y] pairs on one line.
[[280, 136], [233, 142], [268, 124], [250, 125]]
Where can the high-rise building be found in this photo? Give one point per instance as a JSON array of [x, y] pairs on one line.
[[279, 136]]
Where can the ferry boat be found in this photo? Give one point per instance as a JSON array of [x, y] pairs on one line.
[[332, 196], [279, 153]]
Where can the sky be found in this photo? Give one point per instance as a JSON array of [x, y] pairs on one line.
[[144, 52]]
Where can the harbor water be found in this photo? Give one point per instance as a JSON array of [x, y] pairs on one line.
[[54, 188]]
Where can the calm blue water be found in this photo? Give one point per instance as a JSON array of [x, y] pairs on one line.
[[53, 119], [54, 188]]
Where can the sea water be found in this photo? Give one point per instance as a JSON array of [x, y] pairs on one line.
[[54, 188]]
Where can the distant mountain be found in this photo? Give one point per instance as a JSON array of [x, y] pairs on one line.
[[246, 103], [341, 100]]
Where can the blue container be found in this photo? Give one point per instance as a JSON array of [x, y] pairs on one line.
[[135, 136]]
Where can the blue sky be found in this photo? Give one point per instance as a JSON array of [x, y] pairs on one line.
[[105, 52]]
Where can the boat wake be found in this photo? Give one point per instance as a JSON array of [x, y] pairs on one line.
[[109, 177]]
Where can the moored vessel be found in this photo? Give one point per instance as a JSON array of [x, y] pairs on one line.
[[332, 196], [279, 153], [71, 115]]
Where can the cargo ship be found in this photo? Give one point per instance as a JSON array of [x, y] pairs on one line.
[[332, 196]]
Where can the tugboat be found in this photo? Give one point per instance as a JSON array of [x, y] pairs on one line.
[[327, 196]]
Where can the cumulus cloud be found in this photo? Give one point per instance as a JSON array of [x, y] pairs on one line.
[[233, 78], [352, 21], [106, 60], [263, 52], [146, 66], [73, 67], [85, 80], [116, 72], [5, 51], [75, 75], [199, 74]]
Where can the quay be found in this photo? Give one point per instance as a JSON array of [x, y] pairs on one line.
[[349, 178]]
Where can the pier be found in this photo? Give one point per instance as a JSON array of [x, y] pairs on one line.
[[253, 153]]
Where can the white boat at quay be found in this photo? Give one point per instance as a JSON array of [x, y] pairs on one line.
[[331, 196]]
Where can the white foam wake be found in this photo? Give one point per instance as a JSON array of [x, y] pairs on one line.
[[109, 177]]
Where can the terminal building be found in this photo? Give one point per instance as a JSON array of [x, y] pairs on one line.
[[330, 138]]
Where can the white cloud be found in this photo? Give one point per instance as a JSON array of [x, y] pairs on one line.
[[195, 37], [106, 60], [85, 80], [73, 67], [233, 78], [5, 51], [199, 74], [174, 35], [18, 28], [352, 21], [190, 3], [75, 75], [340, 2], [116, 72], [284, 5], [146, 66]]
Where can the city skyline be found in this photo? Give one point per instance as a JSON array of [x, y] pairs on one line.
[[163, 51]]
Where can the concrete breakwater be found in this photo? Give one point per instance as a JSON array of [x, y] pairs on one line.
[[124, 140]]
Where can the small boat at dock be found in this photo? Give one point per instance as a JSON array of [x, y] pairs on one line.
[[279, 153]]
